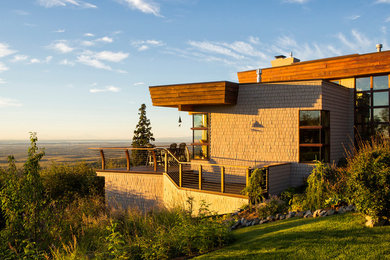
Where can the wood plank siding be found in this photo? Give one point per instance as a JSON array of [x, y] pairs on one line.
[[185, 96], [330, 68]]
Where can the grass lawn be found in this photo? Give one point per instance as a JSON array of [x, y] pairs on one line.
[[339, 236]]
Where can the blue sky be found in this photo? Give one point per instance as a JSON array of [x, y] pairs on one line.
[[80, 69]]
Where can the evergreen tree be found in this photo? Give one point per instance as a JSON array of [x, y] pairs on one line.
[[143, 136]]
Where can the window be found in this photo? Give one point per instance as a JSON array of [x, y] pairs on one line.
[[372, 106], [314, 135], [200, 136]]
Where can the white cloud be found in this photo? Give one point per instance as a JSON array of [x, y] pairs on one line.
[[87, 43], [3, 67], [382, 2], [254, 40], [21, 12], [145, 6], [89, 35], [38, 61], [66, 62], [34, 61], [206, 46], [61, 46], [2, 81], [353, 17], [145, 45], [55, 3], [106, 89], [8, 102], [48, 59], [105, 39], [387, 19], [59, 31], [139, 84], [359, 41], [89, 60], [18, 58], [111, 56], [5, 50]]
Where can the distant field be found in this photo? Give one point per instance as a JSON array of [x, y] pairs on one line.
[[62, 151]]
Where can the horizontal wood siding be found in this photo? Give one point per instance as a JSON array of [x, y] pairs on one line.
[[331, 68], [218, 93]]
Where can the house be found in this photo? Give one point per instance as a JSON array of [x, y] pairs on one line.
[[279, 119], [288, 115]]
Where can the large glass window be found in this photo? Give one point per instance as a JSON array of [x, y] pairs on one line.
[[372, 106], [314, 136], [200, 136]]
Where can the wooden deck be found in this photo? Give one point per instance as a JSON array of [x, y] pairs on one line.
[[136, 169]]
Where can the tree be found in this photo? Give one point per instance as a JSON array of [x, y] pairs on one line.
[[143, 136]]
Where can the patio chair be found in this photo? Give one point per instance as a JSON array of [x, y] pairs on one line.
[[182, 153]]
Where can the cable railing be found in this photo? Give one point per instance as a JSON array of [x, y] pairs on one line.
[[212, 178]]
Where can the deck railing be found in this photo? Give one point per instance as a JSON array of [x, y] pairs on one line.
[[214, 178]]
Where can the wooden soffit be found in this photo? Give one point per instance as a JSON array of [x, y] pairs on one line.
[[186, 96], [330, 68]]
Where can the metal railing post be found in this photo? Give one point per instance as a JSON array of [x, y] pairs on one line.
[[166, 162], [127, 159], [200, 177], [103, 160], [180, 175], [247, 177], [222, 179]]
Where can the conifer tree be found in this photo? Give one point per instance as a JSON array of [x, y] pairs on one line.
[[143, 136]]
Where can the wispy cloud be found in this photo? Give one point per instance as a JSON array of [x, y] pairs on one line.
[[353, 17], [38, 61], [8, 102], [21, 12], [382, 2], [57, 3], [2, 81], [111, 56], [358, 42], [61, 46], [106, 89], [145, 45], [92, 62], [60, 31], [139, 84], [3, 67], [18, 58], [296, 1], [212, 47], [145, 6], [88, 43], [5, 50], [67, 62], [89, 35], [105, 39], [387, 19]]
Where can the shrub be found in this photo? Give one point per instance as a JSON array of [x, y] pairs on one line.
[[369, 180], [255, 189], [270, 207], [298, 202]]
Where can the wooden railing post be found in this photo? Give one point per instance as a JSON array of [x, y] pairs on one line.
[[166, 162], [127, 159], [222, 179], [180, 175], [247, 176], [200, 177], [103, 160], [154, 160]]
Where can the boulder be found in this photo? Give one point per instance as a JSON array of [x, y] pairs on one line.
[[299, 214], [330, 212], [323, 213], [308, 214], [271, 218], [277, 216], [317, 213], [282, 216], [350, 208], [341, 210], [256, 221]]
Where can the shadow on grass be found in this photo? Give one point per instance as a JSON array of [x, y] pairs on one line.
[[341, 236]]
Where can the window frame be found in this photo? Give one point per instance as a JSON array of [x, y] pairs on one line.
[[321, 145], [193, 144]]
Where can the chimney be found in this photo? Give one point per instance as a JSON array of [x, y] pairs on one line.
[[379, 47], [281, 60]]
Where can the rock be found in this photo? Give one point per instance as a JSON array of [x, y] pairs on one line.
[[308, 214], [350, 208], [243, 221], [263, 221], [341, 210], [277, 217], [256, 221], [323, 213], [271, 218], [282, 216], [299, 214], [317, 213], [235, 225], [330, 212]]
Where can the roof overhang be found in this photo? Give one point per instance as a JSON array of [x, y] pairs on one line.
[[187, 96]]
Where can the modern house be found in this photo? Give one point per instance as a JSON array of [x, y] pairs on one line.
[[293, 112], [280, 119]]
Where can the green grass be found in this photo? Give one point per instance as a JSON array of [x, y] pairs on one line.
[[338, 236]]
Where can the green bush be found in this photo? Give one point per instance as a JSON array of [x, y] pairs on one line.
[[256, 188], [369, 180], [271, 206]]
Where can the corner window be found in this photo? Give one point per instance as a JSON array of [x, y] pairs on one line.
[[314, 137], [372, 106], [200, 136]]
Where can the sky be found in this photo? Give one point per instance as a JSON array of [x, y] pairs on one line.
[[80, 69]]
